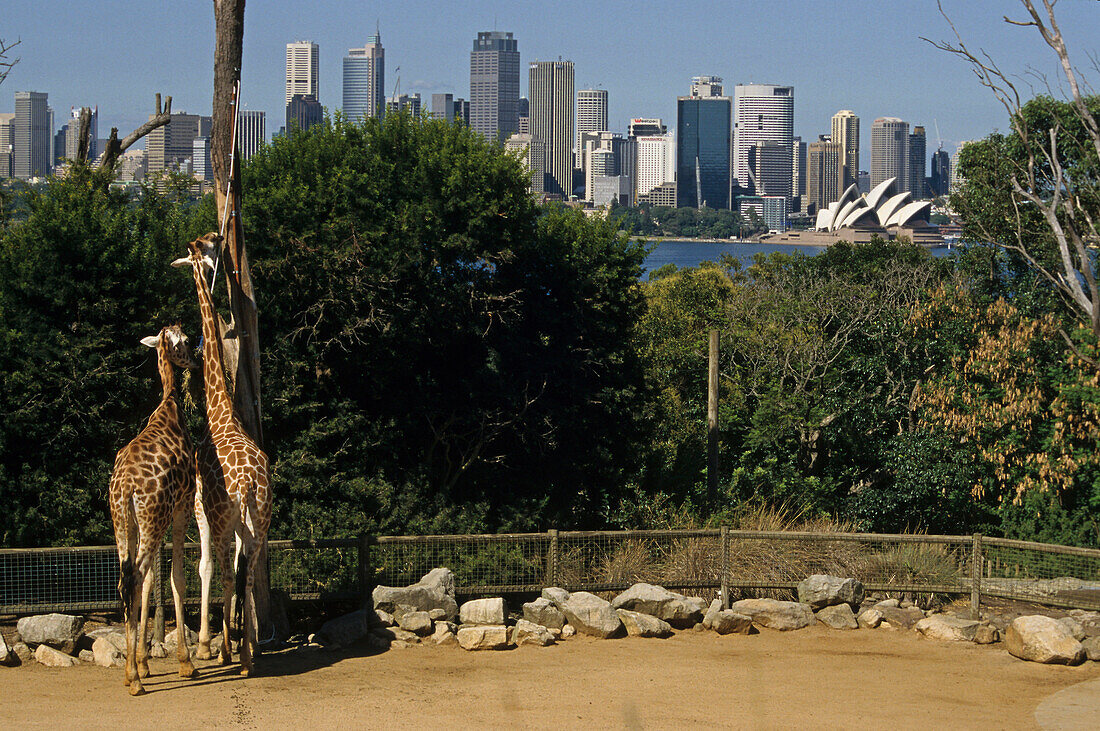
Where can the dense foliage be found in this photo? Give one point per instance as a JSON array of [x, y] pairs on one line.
[[706, 223]]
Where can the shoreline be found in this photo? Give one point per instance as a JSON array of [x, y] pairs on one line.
[[749, 242]]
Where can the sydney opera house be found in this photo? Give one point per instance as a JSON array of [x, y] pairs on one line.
[[883, 212]]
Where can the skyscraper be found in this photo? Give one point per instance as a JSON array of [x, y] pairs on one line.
[[302, 70], [823, 165], [845, 130], [918, 153], [654, 155], [253, 132], [32, 156], [7, 141], [494, 85], [591, 117], [763, 112], [443, 107], [703, 145], [168, 147], [303, 112], [550, 85], [890, 151], [798, 167], [365, 80], [941, 171]]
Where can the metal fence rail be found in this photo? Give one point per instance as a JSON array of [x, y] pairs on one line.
[[713, 562]]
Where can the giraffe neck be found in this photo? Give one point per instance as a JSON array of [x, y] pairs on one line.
[[167, 375], [219, 408]]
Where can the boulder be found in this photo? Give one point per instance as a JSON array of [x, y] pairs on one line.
[[437, 614], [7, 655], [382, 619], [22, 651], [837, 616], [591, 615], [419, 623], [891, 603], [106, 654], [1073, 627], [555, 596], [678, 610], [59, 631], [157, 649], [948, 628], [529, 633], [869, 618], [483, 637], [86, 656], [1090, 621], [643, 625], [986, 634], [711, 613], [542, 611], [344, 630], [729, 622], [1042, 639], [568, 631], [901, 618], [775, 614], [1092, 648], [436, 590], [822, 590], [171, 643], [444, 633], [52, 658], [115, 635], [482, 611]]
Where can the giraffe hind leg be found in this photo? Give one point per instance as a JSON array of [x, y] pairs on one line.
[[183, 654]]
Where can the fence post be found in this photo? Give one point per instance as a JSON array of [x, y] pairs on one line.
[[365, 572], [725, 590], [552, 559], [158, 597], [976, 562]]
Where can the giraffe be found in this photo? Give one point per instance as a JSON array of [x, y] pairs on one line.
[[152, 485], [236, 497]]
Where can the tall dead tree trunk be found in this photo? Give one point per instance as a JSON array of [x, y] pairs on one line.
[[240, 342]]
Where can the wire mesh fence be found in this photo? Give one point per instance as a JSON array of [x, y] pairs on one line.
[[707, 563]]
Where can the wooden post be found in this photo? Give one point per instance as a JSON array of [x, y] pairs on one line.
[[725, 590], [365, 572], [158, 596], [552, 559], [712, 420], [976, 577]]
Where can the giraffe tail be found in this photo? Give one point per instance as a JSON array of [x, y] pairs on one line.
[[241, 584]]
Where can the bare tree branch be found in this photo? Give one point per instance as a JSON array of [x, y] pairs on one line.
[[6, 65], [115, 148]]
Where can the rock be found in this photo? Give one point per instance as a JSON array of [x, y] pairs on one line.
[[728, 622], [400, 610], [482, 611], [643, 625], [591, 615], [115, 635], [869, 618], [7, 656], [59, 631], [711, 613], [1090, 621], [436, 590], [384, 619], [1042, 639], [822, 590], [483, 637], [775, 614], [898, 617], [892, 603], [676, 609], [419, 623], [986, 634], [437, 614], [948, 628], [52, 658], [86, 656], [1092, 648], [555, 596], [568, 631], [171, 643], [157, 649], [404, 635], [837, 616], [699, 628], [542, 611], [106, 654], [22, 651], [344, 630], [529, 633], [401, 644], [905, 604], [1073, 627], [444, 633]]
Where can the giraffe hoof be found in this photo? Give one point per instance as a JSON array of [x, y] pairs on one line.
[[136, 689], [226, 659], [246, 672], [188, 671], [203, 653], [143, 671]]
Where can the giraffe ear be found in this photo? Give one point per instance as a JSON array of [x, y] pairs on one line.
[[183, 261], [150, 341]]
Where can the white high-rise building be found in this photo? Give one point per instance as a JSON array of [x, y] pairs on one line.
[[302, 70], [7, 143], [656, 163], [763, 113], [845, 131], [890, 151], [252, 131], [591, 117], [365, 80]]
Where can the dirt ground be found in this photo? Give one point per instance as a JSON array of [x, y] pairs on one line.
[[813, 677]]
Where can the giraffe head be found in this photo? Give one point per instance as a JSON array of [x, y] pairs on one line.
[[202, 252], [175, 346]]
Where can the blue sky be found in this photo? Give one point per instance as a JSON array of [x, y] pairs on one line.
[[861, 55]]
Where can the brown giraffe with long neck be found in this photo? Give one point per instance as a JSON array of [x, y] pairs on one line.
[[238, 499], [152, 485]]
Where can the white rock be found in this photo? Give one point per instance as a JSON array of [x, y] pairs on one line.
[[444, 633], [727, 622], [1042, 639], [555, 595], [529, 633], [482, 611], [775, 614], [157, 649], [837, 616], [869, 618], [712, 611], [384, 619], [591, 615], [643, 625], [542, 611], [419, 623], [7, 657], [436, 590], [894, 603], [22, 651], [948, 628], [676, 609], [483, 637], [60, 631], [52, 658], [1092, 648], [1073, 627], [986, 635], [106, 654], [115, 635], [568, 631], [822, 590], [437, 614], [86, 656], [170, 642]]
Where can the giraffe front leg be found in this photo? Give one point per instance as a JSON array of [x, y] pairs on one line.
[[206, 572], [183, 654], [225, 558], [146, 564], [247, 562]]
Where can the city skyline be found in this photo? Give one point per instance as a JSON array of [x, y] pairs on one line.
[[889, 71]]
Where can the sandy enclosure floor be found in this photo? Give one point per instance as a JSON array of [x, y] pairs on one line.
[[811, 678]]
